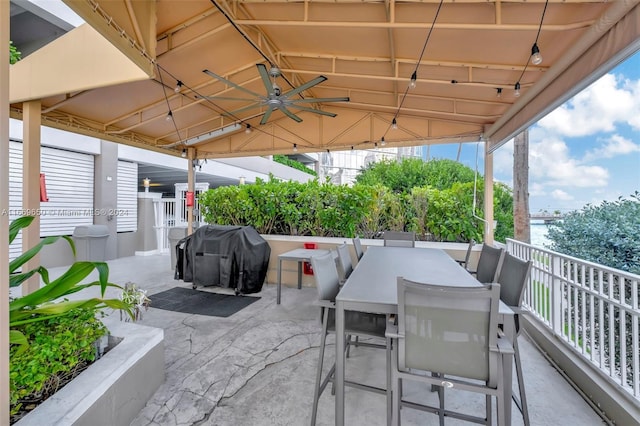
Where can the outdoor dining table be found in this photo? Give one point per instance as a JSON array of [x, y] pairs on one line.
[[372, 287], [298, 255]]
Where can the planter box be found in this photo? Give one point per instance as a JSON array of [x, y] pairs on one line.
[[114, 389]]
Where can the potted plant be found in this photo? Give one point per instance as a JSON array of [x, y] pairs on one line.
[[61, 331]]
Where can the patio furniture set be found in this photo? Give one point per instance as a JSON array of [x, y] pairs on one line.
[[440, 322]]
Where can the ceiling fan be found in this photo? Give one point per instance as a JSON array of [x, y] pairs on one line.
[[275, 99]]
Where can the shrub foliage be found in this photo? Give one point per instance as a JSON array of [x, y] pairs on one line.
[[440, 212]]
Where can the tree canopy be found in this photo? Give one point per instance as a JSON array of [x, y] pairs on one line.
[[402, 176], [608, 234]]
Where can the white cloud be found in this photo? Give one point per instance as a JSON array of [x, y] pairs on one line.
[[613, 146], [559, 194], [598, 108]]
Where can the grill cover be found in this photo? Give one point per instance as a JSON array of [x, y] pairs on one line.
[[225, 256]]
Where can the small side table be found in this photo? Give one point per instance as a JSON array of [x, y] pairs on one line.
[[297, 255]]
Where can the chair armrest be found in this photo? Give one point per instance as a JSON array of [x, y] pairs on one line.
[[504, 346], [392, 331], [325, 304]]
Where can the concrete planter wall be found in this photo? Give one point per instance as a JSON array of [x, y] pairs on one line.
[[114, 389]]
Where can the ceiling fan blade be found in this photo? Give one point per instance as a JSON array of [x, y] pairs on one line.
[[231, 83], [307, 85], [266, 115], [317, 111], [289, 113], [262, 69], [226, 98], [313, 100], [234, 112]]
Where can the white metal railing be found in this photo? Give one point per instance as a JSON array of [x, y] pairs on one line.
[[592, 308], [165, 216]]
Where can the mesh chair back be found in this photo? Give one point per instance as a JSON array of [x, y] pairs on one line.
[[399, 239], [345, 260], [357, 245], [489, 264], [472, 243], [449, 330], [513, 278], [326, 275]]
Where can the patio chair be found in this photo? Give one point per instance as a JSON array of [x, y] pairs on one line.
[[513, 277], [356, 324], [344, 258], [465, 263], [357, 245], [488, 264], [450, 333], [399, 239]]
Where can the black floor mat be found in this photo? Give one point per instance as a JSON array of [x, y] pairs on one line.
[[189, 301]]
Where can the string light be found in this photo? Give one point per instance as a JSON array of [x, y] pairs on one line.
[[248, 129], [295, 147], [394, 124], [517, 90], [169, 116], [536, 57], [382, 142], [184, 152], [178, 87], [414, 77], [499, 92]]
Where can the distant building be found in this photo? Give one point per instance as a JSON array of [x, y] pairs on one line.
[[342, 167]]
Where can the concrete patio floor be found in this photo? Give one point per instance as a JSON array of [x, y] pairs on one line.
[[257, 367]]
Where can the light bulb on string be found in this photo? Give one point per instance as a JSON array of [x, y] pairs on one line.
[[382, 141], [536, 57], [517, 90], [413, 82], [169, 116], [394, 124], [178, 87], [248, 129], [295, 147]]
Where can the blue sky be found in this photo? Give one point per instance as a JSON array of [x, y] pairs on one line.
[[585, 151]]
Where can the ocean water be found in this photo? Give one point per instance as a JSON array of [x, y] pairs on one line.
[[539, 234]]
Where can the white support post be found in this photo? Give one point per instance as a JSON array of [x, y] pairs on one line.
[[191, 155], [31, 187], [488, 195], [4, 212]]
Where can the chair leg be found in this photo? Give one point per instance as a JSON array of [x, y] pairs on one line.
[[522, 404], [388, 387], [441, 399], [323, 339], [488, 408]]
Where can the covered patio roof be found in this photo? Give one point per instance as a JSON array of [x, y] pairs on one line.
[[468, 57]]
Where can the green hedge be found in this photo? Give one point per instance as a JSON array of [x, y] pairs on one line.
[[324, 209]]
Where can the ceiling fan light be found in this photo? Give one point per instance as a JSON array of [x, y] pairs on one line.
[[536, 57]]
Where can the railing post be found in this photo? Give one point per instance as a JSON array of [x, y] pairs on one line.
[[555, 295]]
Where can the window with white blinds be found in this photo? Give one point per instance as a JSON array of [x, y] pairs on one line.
[[127, 214], [69, 180]]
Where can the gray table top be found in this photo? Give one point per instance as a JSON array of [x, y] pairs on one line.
[[374, 279], [301, 254]]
